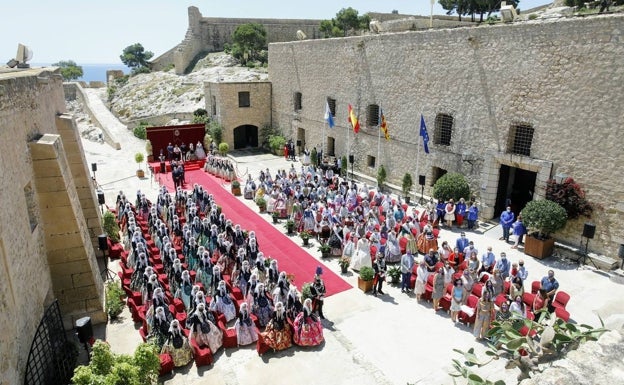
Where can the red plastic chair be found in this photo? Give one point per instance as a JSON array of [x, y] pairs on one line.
[[203, 355], [561, 299], [471, 302], [477, 288], [535, 286], [229, 336], [562, 313], [166, 364], [500, 299], [261, 346], [484, 278], [528, 299], [445, 301], [428, 288]]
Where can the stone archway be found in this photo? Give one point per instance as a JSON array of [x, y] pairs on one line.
[[245, 136]]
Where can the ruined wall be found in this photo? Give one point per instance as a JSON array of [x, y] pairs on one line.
[[29, 103], [561, 77]]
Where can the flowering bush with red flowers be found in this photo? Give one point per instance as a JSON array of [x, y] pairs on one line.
[[570, 196]]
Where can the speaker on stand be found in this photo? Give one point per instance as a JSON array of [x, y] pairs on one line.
[[421, 182], [589, 230], [101, 200], [351, 161], [84, 332], [107, 274]]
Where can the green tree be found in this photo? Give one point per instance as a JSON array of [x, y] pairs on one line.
[[69, 70], [249, 39], [452, 185], [473, 7], [136, 57], [347, 21]]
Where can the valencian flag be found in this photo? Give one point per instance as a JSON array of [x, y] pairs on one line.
[[423, 133], [353, 120], [328, 116], [383, 125]]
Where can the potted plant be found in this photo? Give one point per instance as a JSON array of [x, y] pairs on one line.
[[275, 216], [236, 188], [290, 226], [365, 279], [138, 157], [114, 302], [381, 177], [406, 186], [394, 272], [325, 249], [110, 226], [305, 237], [305, 291], [344, 263], [224, 148], [149, 150], [261, 202], [542, 218], [277, 143]]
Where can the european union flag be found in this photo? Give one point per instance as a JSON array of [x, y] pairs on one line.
[[423, 133]]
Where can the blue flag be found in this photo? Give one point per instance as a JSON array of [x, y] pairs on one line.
[[423, 133], [328, 115]]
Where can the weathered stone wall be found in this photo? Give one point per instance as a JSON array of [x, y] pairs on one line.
[[209, 34], [29, 102], [227, 111], [561, 77]]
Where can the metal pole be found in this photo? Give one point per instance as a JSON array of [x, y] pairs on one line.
[[431, 14]]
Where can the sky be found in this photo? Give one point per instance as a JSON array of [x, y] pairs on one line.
[[90, 32]]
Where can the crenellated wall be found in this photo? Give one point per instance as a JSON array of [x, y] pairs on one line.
[[563, 77]]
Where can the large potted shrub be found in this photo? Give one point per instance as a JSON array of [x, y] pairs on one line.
[[452, 185], [138, 157], [406, 186], [542, 218], [381, 177], [277, 143], [111, 227], [236, 188], [262, 204], [114, 302], [365, 279]]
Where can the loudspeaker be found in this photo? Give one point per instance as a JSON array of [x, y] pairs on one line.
[[102, 242], [589, 229], [621, 251], [101, 199], [421, 180], [84, 329], [298, 143], [94, 167], [351, 159]]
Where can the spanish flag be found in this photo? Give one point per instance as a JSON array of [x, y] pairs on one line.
[[383, 125], [353, 120]]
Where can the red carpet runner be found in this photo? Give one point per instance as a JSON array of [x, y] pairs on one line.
[[290, 256]]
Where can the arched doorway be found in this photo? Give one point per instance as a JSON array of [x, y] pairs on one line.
[[245, 136]]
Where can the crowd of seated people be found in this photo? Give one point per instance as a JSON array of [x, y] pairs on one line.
[[190, 272]]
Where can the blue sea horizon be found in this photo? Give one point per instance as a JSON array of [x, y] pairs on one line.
[[93, 72]]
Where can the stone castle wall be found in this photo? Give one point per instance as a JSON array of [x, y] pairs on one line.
[[49, 221], [561, 77], [210, 34]]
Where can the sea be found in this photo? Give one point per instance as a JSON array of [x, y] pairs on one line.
[[93, 72]]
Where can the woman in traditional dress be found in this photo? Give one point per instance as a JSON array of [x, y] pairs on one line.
[[393, 250], [262, 305], [202, 325], [278, 333], [177, 345], [204, 270], [160, 327], [198, 299], [245, 328], [244, 276], [222, 303], [422, 273], [449, 213], [308, 328], [362, 255], [200, 153], [427, 239]]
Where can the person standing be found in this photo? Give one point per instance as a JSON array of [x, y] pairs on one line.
[[317, 289], [485, 313], [380, 274], [518, 230], [407, 264], [473, 215], [438, 289], [506, 220], [449, 213], [458, 298], [487, 261], [460, 212], [422, 273], [462, 242]]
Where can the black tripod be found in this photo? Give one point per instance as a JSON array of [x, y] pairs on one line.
[[107, 274], [584, 255]]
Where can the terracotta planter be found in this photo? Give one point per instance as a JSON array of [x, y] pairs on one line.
[[262, 209], [140, 173], [365, 286], [539, 248], [236, 191]]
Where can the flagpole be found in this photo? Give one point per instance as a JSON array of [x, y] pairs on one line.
[[378, 141], [418, 161]]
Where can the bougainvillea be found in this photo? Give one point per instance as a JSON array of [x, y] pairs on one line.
[[570, 196]]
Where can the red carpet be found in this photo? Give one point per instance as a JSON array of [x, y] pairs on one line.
[[290, 256]]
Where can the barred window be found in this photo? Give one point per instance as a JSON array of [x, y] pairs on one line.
[[297, 101], [372, 115], [243, 99], [443, 129], [520, 139], [332, 106], [370, 161]]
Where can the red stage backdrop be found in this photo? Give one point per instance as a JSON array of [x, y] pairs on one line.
[[184, 133]]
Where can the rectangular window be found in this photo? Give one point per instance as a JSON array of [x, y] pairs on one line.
[[243, 99], [332, 106], [297, 101], [370, 161], [443, 129], [520, 139], [372, 115]]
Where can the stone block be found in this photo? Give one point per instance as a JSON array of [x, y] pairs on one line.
[[64, 255], [53, 199], [69, 268], [47, 147], [82, 279], [81, 294], [47, 168]]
